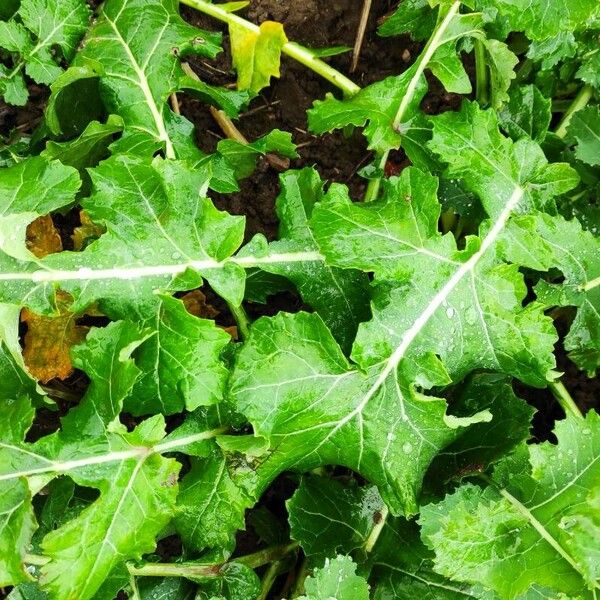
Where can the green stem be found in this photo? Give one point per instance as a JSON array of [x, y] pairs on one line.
[[377, 529], [253, 561], [481, 75], [560, 392], [241, 318], [296, 51], [135, 592], [419, 66], [580, 101], [264, 557], [274, 570], [300, 579]]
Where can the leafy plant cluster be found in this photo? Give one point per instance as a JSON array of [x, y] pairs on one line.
[[389, 401]]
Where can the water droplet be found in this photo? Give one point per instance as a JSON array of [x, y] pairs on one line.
[[176, 255], [407, 447], [586, 431], [449, 312]]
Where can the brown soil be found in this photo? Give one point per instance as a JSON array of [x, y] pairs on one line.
[[284, 104]]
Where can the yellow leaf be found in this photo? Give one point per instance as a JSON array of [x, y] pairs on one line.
[[257, 56]]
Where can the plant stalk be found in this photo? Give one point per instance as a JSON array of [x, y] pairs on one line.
[[253, 561], [296, 51], [481, 75], [560, 392], [241, 318], [421, 64], [580, 101]]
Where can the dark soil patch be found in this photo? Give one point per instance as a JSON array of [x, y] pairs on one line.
[[284, 104]]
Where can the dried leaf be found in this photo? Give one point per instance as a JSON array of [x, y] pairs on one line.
[[42, 237], [196, 304], [86, 232], [48, 341]]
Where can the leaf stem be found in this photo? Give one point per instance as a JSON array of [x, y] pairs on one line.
[[377, 529], [211, 570], [580, 101], [300, 579], [275, 569], [560, 392], [481, 74], [296, 51], [420, 65], [241, 318]]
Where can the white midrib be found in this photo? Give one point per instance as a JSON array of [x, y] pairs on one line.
[[137, 452], [422, 320], [87, 274], [143, 83]]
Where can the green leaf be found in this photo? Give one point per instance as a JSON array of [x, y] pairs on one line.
[[135, 48], [235, 582], [137, 499], [504, 536], [106, 357], [401, 567], [491, 165], [542, 20], [435, 320], [210, 506], [509, 427], [526, 114], [386, 108], [585, 128], [42, 27], [339, 296], [340, 415], [501, 62], [256, 55], [373, 108], [158, 223], [328, 517], [564, 245], [337, 579], [397, 238], [89, 148], [165, 588], [176, 376], [413, 17], [17, 519], [28, 190], [75, 101]]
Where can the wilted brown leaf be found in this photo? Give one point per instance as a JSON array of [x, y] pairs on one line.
[[48, 341], [42, 237], [86, 232], [196, 304]]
